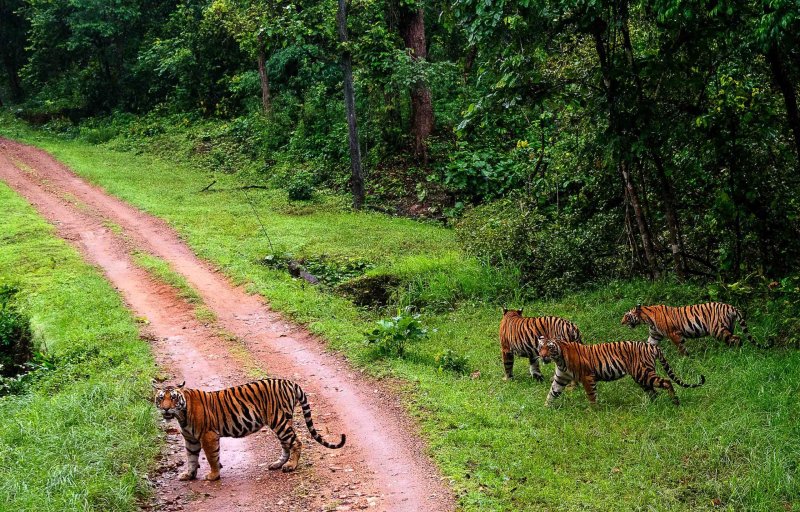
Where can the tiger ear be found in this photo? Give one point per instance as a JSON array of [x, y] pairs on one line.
[[519, 311], [155, 385], [505, 310], [181, 384], [638, 307]]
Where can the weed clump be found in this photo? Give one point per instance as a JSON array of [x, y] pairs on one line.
[[392, 336]]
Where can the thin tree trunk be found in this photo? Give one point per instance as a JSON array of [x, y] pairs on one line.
[[356, 180], [673, 222], [665, 185], [610, 87], [789, 96], [644, 231], [412, 30], [262, 73]]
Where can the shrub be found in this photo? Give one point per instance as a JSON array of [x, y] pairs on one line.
[[452, 361], [554, 255], [392, 336], [300, 185], [16, 340]]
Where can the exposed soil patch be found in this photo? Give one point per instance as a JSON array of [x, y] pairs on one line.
[[382, 467]]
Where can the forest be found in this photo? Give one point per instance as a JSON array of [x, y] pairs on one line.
[[388, 177], [578, 140]]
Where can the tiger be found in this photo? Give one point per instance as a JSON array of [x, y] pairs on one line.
[[606, 362], [678, 323], [205, 416], [519, 334]]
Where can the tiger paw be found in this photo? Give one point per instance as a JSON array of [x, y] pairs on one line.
[[538, 376], [214, 475], [186, 475], [278, 464], [506, 377], [288, 467]]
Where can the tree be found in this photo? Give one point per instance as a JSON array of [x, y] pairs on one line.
[[13, 27], [356, 180], [411, 25]]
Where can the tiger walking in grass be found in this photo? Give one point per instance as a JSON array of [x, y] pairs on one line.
[[519, 337], [590, 364], [678, 323]]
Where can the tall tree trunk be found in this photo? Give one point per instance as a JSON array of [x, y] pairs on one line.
[[412, 30], [789, 96], [641, 221], [622, 154], [262, 73], [665, 184], [671, 214], [357, 179]]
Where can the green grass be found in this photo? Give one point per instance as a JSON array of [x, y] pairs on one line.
[[733, 442], [82, 437]]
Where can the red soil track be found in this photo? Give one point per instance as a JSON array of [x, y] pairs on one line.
[[382, 467]]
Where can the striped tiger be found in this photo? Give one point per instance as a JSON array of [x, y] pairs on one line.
[[519, 335], [678, 323], [205, 416], [606, 362]]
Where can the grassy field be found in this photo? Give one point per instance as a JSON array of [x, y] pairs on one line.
[[82, 435], [733, 444]]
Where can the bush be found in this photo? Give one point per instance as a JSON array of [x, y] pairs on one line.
[[452, 361], [392, 336], [16, 339], [554, 255], [300, 185]]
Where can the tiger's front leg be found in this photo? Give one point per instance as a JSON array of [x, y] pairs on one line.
[[210, 442], [536, 372], [677, 339], [192, 454], [560, 379], [590, 386]]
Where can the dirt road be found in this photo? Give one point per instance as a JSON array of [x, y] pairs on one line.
[[382, 467]]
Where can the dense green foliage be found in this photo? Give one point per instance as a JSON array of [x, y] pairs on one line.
[[732, 444], [643, 137], [78, 433]]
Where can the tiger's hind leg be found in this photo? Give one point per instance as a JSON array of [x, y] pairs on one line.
[[289, 443], [294, 456], [650, 380], [210, 443], [590, 386], [651, 392], [508, 365], [536, 372]]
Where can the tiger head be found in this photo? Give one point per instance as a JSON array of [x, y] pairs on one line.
[[170, 402], [633, 317], [549, 350], [513, 312]]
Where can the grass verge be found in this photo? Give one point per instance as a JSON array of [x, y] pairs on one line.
[[733, 444], [81, 436]]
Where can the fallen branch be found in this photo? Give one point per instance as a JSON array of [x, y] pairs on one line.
[[208, 186]]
